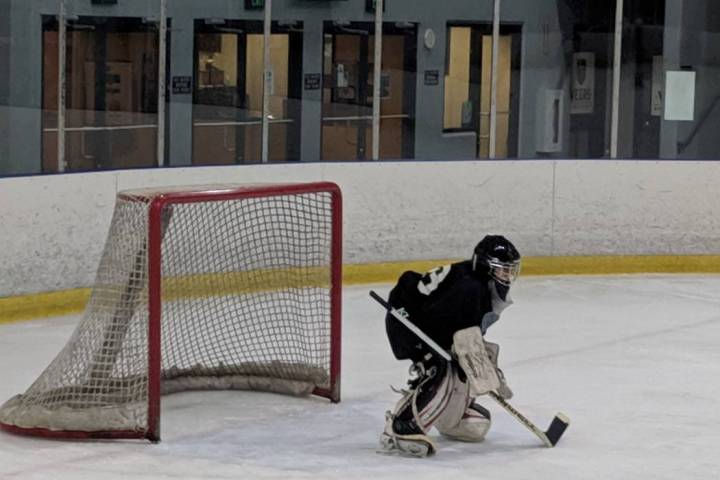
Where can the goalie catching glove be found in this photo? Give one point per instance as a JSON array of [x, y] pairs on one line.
[[478, 360]]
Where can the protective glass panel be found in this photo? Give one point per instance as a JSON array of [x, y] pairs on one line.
[[669, 96], [229, 89], [28, 84], [561, 89]]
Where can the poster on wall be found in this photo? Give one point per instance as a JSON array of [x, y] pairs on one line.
[[582, 100], [656, 106]]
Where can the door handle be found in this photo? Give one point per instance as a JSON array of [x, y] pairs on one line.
[[226, 139]]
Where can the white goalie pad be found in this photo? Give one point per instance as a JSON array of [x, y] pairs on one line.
[[472, 355], [461, 420]]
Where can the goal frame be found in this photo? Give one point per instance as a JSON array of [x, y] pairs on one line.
[[157, 205]]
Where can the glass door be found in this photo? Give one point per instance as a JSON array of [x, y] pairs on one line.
[[642, 82], [348, 86], [468, 86], [505, 95], [228, 97], [111, 93]]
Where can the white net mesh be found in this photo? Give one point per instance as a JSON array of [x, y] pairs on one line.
[[245, 305]]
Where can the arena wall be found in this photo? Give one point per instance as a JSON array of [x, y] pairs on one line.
[[54, 227]]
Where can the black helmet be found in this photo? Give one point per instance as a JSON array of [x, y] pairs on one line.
[[497, 257]]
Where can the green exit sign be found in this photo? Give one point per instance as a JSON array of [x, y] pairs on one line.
[[254, 4], [370, 5]]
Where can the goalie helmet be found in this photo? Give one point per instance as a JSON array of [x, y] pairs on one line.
[[498, 258]]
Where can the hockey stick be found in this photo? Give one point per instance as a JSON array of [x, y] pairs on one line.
[[557, 427]]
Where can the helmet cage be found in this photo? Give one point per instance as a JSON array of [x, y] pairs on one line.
[[505, 273]]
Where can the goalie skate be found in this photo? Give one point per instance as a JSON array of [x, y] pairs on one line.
[[409, 446], [412, 445]]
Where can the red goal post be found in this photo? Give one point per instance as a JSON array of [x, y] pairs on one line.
[[199, 288]]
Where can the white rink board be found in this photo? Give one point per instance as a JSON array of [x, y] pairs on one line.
[[637, 208], [54, 226]]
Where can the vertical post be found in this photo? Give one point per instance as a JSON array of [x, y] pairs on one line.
[[267, 80], [377, 79], [162, 73], [62, 52], [494, 79], [617, 65], [336, 294], [154, 282]]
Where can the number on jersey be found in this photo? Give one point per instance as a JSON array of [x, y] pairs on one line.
[[431, 280]]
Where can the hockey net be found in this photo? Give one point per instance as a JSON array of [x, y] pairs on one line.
[[221, 287]]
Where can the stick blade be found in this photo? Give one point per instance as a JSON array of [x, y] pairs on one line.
[[557, 427]]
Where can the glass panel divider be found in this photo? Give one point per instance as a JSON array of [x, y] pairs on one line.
[[62, 51], [267, 80], [617, 63], [377, 79], [494, 78], [162, 72]]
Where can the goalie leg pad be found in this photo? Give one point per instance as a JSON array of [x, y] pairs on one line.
[[463, 419], [472, 427], [420, 407], [428, 398]]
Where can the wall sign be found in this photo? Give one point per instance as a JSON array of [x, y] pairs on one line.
[[680, 96], [582, 99], [182, 85], [432, 77], [254, 4], [312, 81]]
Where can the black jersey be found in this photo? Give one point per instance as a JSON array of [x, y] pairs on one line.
[[440, 302]]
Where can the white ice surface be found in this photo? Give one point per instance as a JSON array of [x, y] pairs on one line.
[[634, 361]]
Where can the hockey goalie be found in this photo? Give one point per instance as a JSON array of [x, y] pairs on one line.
[[454, 305]]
